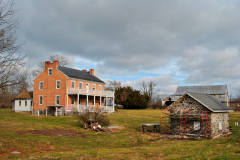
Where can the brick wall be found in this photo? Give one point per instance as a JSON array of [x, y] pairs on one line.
[[49, 90]]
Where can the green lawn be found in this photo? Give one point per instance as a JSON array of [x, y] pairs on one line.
[[130, 143]]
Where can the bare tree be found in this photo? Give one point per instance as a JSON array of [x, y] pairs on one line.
[[63, 61], [150, 88], [12, 62]]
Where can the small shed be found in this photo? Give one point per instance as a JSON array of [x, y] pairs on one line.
[[199, 114], [23, 102]]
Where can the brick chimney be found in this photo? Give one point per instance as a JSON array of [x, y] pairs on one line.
[[55, 63], [84, 70], [23, 90], [91, 71], [47, 63]]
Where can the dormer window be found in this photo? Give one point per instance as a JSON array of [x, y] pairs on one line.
[[49, 71]]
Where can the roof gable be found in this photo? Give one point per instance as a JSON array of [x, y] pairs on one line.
[[25, 94], [210, 89], [206, 100], [74, 73]]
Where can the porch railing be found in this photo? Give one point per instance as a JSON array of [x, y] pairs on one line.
[[91, 91], [90, 107]]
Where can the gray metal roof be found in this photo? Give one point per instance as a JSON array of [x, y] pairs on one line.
[[173, 98], [209, 102], [211, 89], [74, 73]]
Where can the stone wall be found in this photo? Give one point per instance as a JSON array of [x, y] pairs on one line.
[[218, 119]]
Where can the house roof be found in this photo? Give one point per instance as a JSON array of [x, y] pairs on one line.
[[208, 101], [25, 94], [74, 73], [210, 89]]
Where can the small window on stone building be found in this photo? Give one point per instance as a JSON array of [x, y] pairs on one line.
[[196, 125], [220, 125]]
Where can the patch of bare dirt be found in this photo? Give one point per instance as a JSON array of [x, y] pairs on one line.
[[52, 132]]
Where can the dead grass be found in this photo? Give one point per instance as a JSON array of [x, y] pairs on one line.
[[41, 137]]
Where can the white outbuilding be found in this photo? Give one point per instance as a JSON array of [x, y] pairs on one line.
[[23, 102]]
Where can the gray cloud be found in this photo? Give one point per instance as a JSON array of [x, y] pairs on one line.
[[128, 37]]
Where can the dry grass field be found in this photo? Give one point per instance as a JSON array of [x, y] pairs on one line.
[[41, 137]]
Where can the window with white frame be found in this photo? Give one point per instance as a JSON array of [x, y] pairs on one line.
[[49, 71], [41, 86], [40, 100], [19, 103], [25, 103], [196, 125], [100, 87], [72, 99], [73, 84], [57, 99], [94, 87], [58, 84], [80, 85]]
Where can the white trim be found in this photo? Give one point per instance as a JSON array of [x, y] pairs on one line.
[[51, 71], [39, 99], [57, 84], [40, 85], [58, 100]]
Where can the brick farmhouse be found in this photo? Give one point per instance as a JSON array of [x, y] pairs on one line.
[[60, 90]]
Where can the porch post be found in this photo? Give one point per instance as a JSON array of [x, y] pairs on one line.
[[46, 110], [56, 111], [87, 102], [107, 103], [94, 103], [78, 102], [67, 101], [113, 105], [100, 102]]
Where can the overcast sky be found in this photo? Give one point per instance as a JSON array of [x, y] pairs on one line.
[[169, 41]]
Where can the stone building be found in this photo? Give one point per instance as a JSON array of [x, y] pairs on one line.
[[200, 115]]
